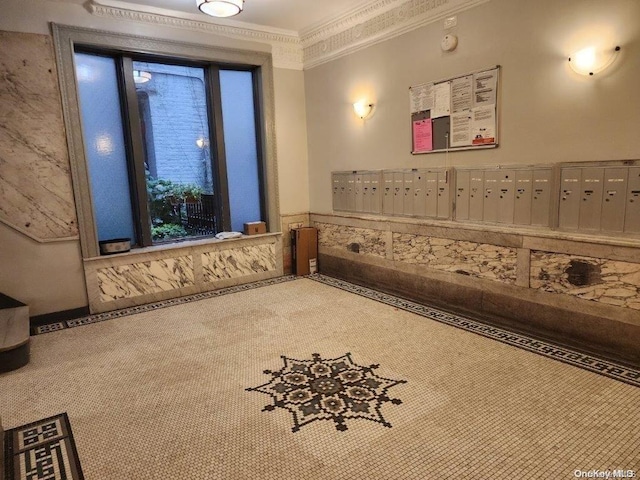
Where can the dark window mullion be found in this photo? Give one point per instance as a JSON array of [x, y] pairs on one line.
[[135, 152], [219, 159], [257, 102]]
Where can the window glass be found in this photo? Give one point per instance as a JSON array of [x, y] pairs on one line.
[[172, 103], [238, 116], [104, 146]]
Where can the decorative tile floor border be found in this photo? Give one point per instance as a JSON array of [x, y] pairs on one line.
[[42, 450], [101, 317], [555, 352], [581, 360]]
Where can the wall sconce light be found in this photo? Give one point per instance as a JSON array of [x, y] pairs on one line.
[[220, 8], [362, 109], [140, 76], [590, 61]]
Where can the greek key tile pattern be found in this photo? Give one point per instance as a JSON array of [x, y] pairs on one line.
[[43, 450], [581, 360], [101, 317]]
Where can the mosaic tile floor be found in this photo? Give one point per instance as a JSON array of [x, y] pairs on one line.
[[163, 394]]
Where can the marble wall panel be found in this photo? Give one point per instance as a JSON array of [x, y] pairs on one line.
[[601, 280], [238, 262], [142, 278], [468, 258], [357, 240], [35, 179]]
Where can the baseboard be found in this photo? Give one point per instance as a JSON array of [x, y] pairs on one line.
[[588, 333]]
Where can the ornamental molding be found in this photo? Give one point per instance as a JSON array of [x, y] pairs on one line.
[[354, 30], [286, 48], [380, 21]]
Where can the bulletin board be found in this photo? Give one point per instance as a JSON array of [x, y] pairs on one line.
[[459, 113]]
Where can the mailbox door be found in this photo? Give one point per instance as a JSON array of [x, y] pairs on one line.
[[407, 193], [398, 193], [591, 198], [462, 194], [476, 195], [376, 192], [522, 202], [443, 207], [419, 193], [614, 199], [366, 192], [335, 190], [491, 190], [632, 207], [387, 193], [541, 196], [358, 191], [506, 196], [431, 187], [351, 192], [570, 183]]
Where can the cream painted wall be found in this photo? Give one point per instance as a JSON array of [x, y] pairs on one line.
[[547, 113], [46, 276], [49, 277], [291, 132]]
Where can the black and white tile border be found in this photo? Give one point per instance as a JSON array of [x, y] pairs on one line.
[[42, 450], [581, 360], [101, 317]]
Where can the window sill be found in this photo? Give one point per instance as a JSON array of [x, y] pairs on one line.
[[183, 245]]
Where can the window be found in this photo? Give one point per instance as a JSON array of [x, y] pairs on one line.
[[160, 169], [167, 141]]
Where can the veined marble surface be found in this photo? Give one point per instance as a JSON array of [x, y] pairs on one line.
[[607, 281], [468, 258], [238, 262], [127, 281], [35, 179], [358, 240]]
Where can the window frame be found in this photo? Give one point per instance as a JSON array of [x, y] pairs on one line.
[[67, 39]]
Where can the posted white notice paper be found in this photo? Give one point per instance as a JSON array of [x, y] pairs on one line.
[[421, 97], [483, 125], [461, 129], [442, 100], [461, 93], [484, 88]]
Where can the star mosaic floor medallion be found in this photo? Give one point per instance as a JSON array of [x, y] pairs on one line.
[[334, 389]]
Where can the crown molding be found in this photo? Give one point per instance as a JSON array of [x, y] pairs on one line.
[[356, 15], [286, 47], [364, 25], [380, 21]]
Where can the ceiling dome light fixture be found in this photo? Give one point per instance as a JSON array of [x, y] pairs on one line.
[[220, 8]]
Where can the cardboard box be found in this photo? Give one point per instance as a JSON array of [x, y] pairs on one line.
[[255, 228], [304, 254]]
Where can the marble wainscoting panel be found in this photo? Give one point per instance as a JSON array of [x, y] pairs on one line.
[[607, 281], [142, 278], [467, 258], [35, 178], [357, 240], [238, 262]]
